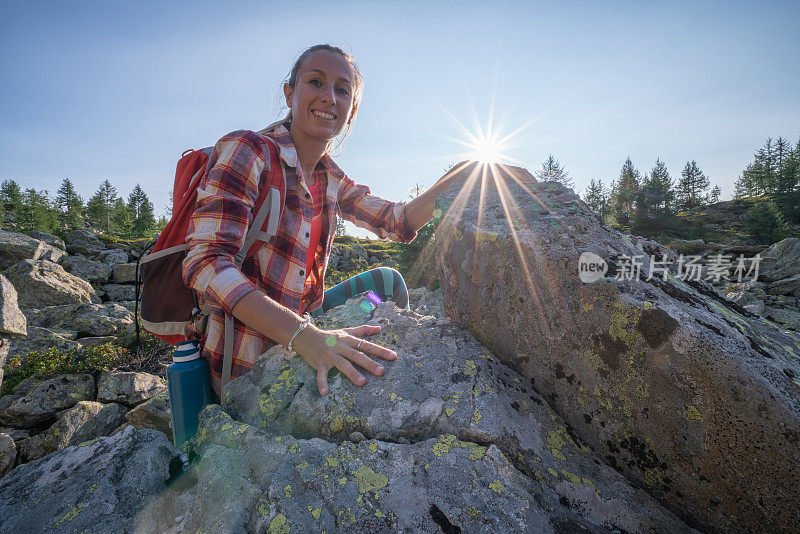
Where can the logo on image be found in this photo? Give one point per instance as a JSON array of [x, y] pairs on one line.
[[591, 267]]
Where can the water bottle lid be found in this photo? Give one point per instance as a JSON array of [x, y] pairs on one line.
[[186, 351]]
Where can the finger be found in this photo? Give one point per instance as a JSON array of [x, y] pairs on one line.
[[363, 330], [376, 350], [358, 357], [322, 380], [349, 371]]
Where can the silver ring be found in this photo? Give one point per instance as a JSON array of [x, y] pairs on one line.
[[359, 344]]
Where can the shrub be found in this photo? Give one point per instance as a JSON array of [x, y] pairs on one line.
[[765, 222], [44, 364]]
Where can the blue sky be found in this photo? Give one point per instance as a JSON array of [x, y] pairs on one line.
[[117, 90]]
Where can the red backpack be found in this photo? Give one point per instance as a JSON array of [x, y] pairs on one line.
[[167, 304]]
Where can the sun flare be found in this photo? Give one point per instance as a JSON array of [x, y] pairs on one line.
[[486, 149]]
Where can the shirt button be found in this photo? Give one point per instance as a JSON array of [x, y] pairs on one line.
[[301, 273], [308, 235], [307, 195]]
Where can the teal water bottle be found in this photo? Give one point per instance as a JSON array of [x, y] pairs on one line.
[[189, 389]]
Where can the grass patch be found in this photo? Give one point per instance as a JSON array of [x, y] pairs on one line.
[[44, 364]]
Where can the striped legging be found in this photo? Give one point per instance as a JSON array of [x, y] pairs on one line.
[[385, 283]]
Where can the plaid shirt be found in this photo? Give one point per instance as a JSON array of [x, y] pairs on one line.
[[226, 195]]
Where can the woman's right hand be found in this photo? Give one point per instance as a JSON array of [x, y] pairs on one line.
[[325, 349]]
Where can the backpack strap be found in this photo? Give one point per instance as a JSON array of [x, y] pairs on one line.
[[271, 206]]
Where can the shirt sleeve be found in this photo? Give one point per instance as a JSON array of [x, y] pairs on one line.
[[385, 218], [223, 211]]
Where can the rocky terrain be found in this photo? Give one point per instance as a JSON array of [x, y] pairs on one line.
[[522, 400]]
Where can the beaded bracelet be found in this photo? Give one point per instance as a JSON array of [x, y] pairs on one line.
[[299, 329]]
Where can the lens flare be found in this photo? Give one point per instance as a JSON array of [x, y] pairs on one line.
[[374, 298], [487, 149]]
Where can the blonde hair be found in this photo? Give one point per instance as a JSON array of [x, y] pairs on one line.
[[358, 91]]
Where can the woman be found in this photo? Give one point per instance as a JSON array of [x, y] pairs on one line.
[[271, 291]]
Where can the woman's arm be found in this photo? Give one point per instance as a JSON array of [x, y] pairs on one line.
[[321, 349]]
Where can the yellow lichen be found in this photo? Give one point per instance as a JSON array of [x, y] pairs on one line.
[[496, 486], [315, 512], [369, 480], [470, 368], [279, 525], [71, 514], [476, 416], [449, 411], [373, 446], [336, 424], [287, 490], [694, 414], [394, 397]]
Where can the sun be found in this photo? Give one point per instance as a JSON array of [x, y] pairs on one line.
[[486, 149]]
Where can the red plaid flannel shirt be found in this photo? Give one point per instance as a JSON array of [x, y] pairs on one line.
[[224, 210]]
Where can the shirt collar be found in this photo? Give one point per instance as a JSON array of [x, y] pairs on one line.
[[288, 153]]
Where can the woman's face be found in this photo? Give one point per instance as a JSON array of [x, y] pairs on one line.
[[322, 97]]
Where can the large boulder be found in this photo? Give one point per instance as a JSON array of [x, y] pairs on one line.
[[128, 388], [781, 260], [12, 320], [50, 239], [119, 292], [98, 486], [92, 271], [84, 421], [251, 480], [84, 242], [86, 319], [8, 454], [686, 393], [447, 388], [113, 256], [41, 339], [124, 273], [153, 413], [44, 283], [5, 344], [16, 247], [47, 398]]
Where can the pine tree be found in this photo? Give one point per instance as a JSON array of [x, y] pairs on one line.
[[597, 197], [787, 187], [765, 222], [715, 193], [658, 188], [100, 205], [70, 204], [623, 195], [120, 219], [341, 229], [10, 195], [140, 208], [692, 186], [552, 171], [36, 212]]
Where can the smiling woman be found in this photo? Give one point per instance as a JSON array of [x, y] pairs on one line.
[[262, 300]]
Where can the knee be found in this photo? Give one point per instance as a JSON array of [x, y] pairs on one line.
[[394, 274]]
